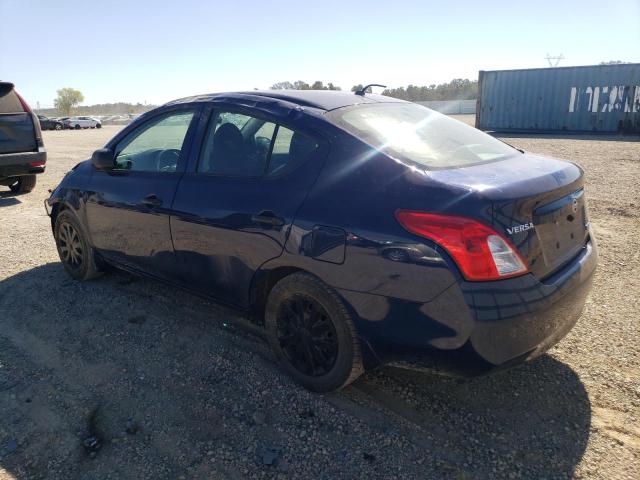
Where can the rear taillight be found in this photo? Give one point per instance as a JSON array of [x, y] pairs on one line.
[[37, 164], [480, 252], [23, 102]]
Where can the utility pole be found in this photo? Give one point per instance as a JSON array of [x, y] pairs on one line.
[[554, 60]]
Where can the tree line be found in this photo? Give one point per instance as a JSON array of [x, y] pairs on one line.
[[68, 100], [456, 89], [300, 85]]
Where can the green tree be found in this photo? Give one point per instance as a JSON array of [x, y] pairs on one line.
[[282, 86], [67, 99], [300, 85]]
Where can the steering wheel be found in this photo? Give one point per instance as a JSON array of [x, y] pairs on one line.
[[167, 160]]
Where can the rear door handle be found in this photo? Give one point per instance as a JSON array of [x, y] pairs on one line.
[[152, 201], [267, 217]]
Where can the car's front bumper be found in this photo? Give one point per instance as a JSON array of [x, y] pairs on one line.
[[476, 327]]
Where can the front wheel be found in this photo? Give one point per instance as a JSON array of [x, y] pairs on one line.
[[312, 334], [77, 256], [99, 125], [58, 126], [77, 127]]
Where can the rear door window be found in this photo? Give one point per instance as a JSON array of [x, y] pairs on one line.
[[290, 149], [239, 145]]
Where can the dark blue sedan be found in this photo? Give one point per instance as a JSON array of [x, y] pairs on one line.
[[359, 229]]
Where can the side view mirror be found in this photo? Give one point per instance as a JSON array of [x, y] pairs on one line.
[[103, 159]]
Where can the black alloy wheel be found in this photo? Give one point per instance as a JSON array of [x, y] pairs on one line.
[[312, 334], [307, 336]]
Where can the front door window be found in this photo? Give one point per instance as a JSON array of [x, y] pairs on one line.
[[155, 146]]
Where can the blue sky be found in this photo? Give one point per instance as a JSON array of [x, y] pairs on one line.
[[139, 51]]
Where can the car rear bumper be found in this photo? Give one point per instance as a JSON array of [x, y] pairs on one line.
[[475, 327], [17, 164]]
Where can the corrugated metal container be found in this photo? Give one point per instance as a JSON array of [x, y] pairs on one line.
[[597, 98]]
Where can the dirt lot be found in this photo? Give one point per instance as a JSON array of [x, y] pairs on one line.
[[206, 400]]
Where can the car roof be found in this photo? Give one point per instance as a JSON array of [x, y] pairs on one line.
[[320, 99]]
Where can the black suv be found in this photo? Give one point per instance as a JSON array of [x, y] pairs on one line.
[[22, 153]]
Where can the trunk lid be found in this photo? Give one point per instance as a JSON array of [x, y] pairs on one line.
[[538, 203]]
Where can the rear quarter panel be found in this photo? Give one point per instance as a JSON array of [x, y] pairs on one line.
[[358, 192]]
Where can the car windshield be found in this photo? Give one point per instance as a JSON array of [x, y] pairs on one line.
[[407, 131]]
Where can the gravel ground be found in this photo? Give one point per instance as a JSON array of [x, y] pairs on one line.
[[171, 389]]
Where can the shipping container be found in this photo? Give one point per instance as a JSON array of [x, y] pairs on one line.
[[595, 98]]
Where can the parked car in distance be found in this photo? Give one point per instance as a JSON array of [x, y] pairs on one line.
[[359, 229], [22, 152], [49, 123], [82, 122]]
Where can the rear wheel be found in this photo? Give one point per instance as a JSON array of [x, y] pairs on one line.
[[77, 127], [58, 126], [312, 333], [23, 184], [77, 256]]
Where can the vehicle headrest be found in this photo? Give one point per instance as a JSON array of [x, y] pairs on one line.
[[228, 136]]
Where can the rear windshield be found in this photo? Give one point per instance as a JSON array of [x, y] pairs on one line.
[[407, 131], [9, 101]]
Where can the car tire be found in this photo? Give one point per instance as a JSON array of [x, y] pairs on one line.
[[312, 333], [76, 255], [99, 125], [24, 184], [77, 127], [58, 127]]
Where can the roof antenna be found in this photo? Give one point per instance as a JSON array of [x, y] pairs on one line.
[[363, 90]]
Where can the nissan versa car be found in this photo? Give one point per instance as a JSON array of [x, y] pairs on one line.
[[362, 230]]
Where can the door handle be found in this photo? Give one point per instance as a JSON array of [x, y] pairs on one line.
[[267, 217], [152, 201]]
